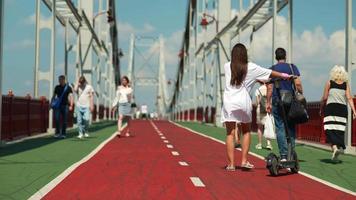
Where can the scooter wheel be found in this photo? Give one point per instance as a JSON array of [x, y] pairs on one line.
[[272, 164], [295, 169]]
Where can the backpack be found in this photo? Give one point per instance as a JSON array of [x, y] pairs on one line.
[[263, 102]]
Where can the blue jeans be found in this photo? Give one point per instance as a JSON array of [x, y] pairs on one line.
[[61, 128], [280, 131], [83, 116]]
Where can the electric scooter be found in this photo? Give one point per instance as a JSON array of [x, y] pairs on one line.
[[273, 162]]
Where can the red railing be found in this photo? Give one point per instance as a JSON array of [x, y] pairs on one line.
[[23, 117], [312, 131], [353, 137]]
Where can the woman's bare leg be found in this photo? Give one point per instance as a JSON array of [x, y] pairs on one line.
[[119, 124], [230, 147], [128, 125], [259, 133], [246, 141]]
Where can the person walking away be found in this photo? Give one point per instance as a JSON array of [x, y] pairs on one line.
[[123, 101], [335, 98], [64, 92], [261, 114], [236, 112], [272, 101], [84, 106]]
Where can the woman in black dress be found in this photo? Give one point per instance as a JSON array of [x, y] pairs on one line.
[[336, 96]]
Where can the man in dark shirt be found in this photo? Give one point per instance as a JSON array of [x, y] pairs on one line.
[[272, 99], [65, 105]]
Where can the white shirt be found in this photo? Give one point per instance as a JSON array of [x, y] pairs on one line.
[[84, 95], [237, 106], [144, 109], [122, 94]]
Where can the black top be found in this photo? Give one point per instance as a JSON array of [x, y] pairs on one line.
[[58, 90]]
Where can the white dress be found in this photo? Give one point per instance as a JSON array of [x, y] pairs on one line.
[[237, 103]]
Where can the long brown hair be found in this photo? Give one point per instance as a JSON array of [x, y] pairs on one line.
[[238, 64]]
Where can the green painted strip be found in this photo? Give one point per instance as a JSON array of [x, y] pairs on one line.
[[314, 161], [27, 166]]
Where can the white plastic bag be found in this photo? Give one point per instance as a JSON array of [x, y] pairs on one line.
[[269, 131]]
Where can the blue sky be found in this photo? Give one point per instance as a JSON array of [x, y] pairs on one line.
[[319, 21]]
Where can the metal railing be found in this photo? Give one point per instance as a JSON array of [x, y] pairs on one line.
[[312, 131], [24, 116]]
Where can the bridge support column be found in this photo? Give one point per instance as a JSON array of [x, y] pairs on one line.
[[223, 50], [1, 57], [349, 68]]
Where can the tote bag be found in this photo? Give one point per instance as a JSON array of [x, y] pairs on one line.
[[269, 131]]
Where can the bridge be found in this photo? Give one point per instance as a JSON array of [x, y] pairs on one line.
[[180, 154]]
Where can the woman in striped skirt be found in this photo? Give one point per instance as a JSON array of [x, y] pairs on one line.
[[336, 96], [123, 102]]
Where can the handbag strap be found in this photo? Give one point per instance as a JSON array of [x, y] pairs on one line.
[[64, 91], [294, 87]]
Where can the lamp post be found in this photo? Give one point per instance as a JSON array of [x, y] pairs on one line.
[[1, 60], [204, 23]]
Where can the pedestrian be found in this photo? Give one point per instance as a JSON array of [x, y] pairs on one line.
[[84, 106], [240, 76], [144, 111], [123, 102], [63, 92], [272, 101], [261, 114], [335, 99]]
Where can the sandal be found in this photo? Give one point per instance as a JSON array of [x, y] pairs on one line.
[[118, 134], [247, 166], [230, 168]]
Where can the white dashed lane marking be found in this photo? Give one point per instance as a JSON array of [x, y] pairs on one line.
[[183, 163], [197, 182]]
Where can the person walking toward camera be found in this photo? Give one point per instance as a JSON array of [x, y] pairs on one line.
[[63, 92], [123, 101], [336, 96], [272, 101], [84, 106], [236, 112]]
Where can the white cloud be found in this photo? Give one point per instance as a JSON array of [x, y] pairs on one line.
[[314, 52], [22, 44], [125, 29], [31, 20]]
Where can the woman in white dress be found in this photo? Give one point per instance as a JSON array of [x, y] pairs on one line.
[[241, 75], [123, 101]]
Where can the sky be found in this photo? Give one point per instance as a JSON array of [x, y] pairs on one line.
[[318, 41]]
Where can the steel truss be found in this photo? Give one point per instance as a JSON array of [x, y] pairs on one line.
[[195, 79], [79, 18], [138, 73]]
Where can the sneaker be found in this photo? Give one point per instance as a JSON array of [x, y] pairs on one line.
[[258, 146], [237, 145], [56, 135], [63, 136], [80, 136], [86, 135], [335, 154], [283, 160], [269, 147]]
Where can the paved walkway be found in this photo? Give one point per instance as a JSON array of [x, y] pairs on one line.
[[163, 161]]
